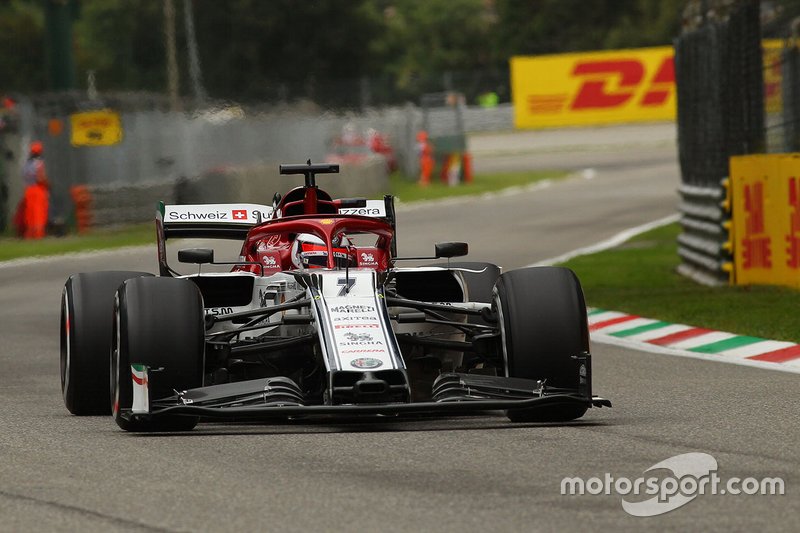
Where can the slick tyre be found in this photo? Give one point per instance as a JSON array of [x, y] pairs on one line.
[[87, 310], [542, 316], [158, 322]]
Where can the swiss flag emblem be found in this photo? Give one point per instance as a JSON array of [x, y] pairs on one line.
[[239, 214]]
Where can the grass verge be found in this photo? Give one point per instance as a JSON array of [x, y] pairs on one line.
[[11, 248], [639, 277], [407, 191]]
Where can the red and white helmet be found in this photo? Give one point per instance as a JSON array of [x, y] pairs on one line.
[[309, 251]]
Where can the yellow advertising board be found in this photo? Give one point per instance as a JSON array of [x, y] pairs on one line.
[[96, 128], [766, 219], [593, 87], [773, 75]]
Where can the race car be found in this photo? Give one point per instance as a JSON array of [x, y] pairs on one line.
[[317, 317]]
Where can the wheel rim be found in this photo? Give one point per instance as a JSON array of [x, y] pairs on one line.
[[65, 344], [114, 377], [502, 323]]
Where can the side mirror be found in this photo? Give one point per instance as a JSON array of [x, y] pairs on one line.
[[451, 249], [198, 256]]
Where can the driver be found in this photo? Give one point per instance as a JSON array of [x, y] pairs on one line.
[[309, 251]]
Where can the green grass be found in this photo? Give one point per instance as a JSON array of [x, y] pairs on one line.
[[407, 191], [12, 248], [640, 278]]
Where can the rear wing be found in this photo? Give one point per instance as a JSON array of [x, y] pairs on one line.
[[233, 221], [221, 221]]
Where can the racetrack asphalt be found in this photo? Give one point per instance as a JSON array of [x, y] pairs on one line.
[[64, 473]]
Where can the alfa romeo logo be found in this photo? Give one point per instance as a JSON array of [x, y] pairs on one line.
[[366, 362]]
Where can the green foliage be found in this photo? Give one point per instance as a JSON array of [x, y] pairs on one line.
[[552, 26], [12, 248], [255, 49], [246, 46], [122, 42], [21, 47]]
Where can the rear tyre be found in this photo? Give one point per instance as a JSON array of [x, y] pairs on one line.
[[158, 323], [87, 309], [542, 316]]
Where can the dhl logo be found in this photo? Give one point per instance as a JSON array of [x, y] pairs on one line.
[[594, 88], [610, 84]]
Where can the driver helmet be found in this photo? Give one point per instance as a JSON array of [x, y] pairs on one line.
[[309, 251]]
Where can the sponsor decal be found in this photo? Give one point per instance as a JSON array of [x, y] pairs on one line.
[[346, 284], [274, 241], [270, 262], [368, 259], [352, 308], [219, 311], [326, 221], [366, 362], [374, 208], [363, 211], [792, 237], [96, 128], [359, 337], [201, 216], [765, 233], [594, 87], [756, 240], [362, 350], [352, 318], [231, 213], [356, 326]]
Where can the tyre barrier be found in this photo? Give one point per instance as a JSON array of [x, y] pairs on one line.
[[704, 244]]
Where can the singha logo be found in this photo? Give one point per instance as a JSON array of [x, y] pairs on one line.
[[358, 337], [367, 257], [270, 262]]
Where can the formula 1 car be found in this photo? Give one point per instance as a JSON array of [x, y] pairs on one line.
[[316, 318]]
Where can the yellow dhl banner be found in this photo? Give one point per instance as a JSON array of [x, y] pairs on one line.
[[766, 219], [773, 74], [96, 128], [593, 87], [615, 86]]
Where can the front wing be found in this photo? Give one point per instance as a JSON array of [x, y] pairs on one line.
[[271, 398]]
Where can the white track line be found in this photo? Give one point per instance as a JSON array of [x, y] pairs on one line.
[[616, 240]]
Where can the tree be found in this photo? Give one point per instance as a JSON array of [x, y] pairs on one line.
[[21, 47], [122, 42]]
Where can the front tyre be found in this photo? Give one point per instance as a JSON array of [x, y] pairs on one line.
[[543, 325], [87, 303], [158, 322]]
